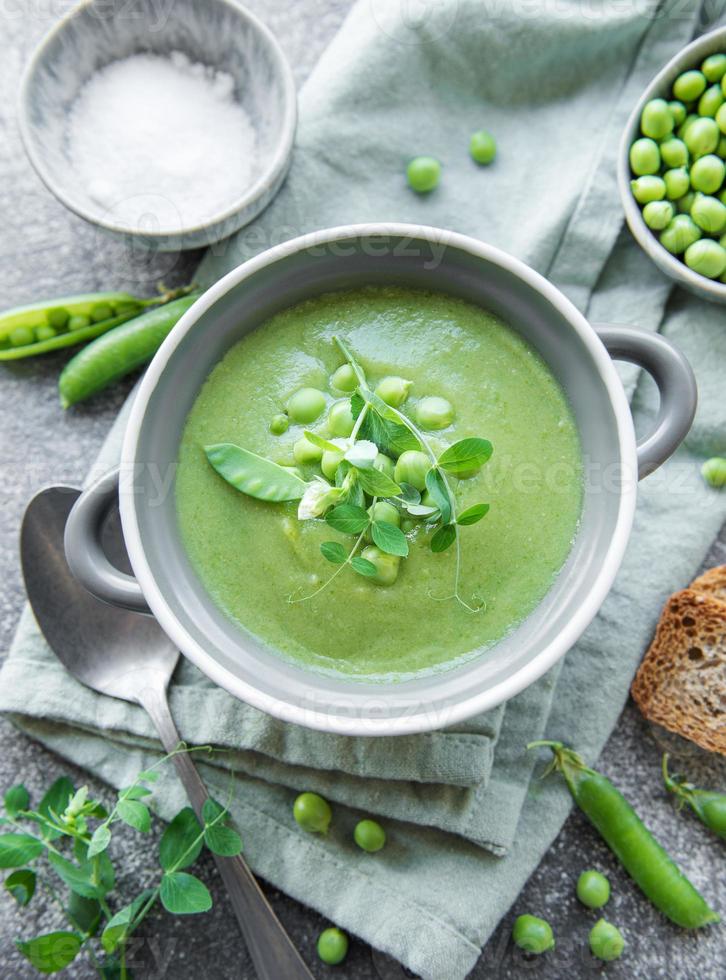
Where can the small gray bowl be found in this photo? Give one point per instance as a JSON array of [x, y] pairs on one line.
[[219, 33], [690, 57]]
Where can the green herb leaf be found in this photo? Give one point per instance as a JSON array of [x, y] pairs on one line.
[[443, 538], [17, 849], [135, 814], [183, 894], [118, 928], [334, 552], [54, 802], [21, 885], [437, 488], [148, 775], [465, 455], [254, 475], [222, 840], [134, 792], [51, 952], [377, 484], [99, 841], [91, 879], [357, 403], [392, 438], [348, 519], [363, 566], [421, 510], [16, 799], [389, 538], [409, 494], [85, 913], [321, 443], [177, 840], [472, 514], [212, 810]]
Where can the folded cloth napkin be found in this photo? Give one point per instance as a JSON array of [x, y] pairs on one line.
[[555, 83]]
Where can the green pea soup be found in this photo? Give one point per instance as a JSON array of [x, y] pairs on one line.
[[257, 559]]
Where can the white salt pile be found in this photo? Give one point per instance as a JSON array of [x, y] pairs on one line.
[[161, 142]]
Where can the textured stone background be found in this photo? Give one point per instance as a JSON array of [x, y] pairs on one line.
[[45, 251]]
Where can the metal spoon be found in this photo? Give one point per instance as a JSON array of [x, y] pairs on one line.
[[125, 655]]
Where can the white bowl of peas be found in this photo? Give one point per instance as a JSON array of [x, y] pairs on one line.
[[672, 168]]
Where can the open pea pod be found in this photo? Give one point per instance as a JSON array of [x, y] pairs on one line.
[[39, 328]]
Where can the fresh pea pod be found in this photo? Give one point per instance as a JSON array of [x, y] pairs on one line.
[[254, 475], [708, 805], [43, 327], [119, 352], [648, 864]]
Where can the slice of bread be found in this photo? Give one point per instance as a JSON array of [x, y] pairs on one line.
[[712, 582], [681, 683]]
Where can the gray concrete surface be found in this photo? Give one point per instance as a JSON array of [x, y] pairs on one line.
[[45, 251]]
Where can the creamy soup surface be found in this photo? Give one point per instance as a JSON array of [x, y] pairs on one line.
[[254, 557]]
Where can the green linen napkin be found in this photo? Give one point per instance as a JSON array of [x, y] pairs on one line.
[[555, 83]]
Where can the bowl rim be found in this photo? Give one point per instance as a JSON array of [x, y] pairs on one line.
[[272, 173], [409, 721], [711, 289]]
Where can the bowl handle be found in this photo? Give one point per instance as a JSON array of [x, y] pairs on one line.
[[676, 384], [85, 555]]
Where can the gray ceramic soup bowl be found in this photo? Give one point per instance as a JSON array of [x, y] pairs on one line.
[[218, 33], [580, 357]]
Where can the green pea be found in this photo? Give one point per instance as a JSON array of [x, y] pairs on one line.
[[369, 836], [434, 412], [79, 322], [606, 941], [713, 472], [383, 511], [706, 257], [101, 311], [721, 117], [679, 234], [710, 101], [312, 813], [658, 214], [702, 136], [387, 566], [45, 332], [482, 146], [305, 452], [332, 946], [686, 125], [674, 152], [593, 889], [344, 379], [714, 67], [689, 86], [279, 424], [646, 189], [384, 464], [721, 148], [532, 934], [656, 120], [678, 111], [306, 405], [58, 318], [21, 336], [685, 203], [408, 525], [677, 183], [707, 173], [330, 462], [709, 214], [423, 174], [412, 467], [393, 390], [645, 157], [340, 418]]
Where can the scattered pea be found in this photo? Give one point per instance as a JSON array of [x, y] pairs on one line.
[[482, 146], [685, 125], [332, 946], [685, 203], [706, 257], [330, 462], [532, 934], [656, 120], [45, 332], [412, 467], [344, 379], [101, 311], [279, 424], [678, 111], [306, 405], [714, 67], [312, 813], [658, 214], [384, 464], [702, 136], [423, 174], [305, 452], [645, 157], [689, 86], [340, 418], [58, 318], [393, 390], [709, 214], [593, 889], [79, 321], [21, 336], [648, 188], [677, 183], [606, 941], [369, 836], [387, 566], [383, 511], [707, 173], [674, 153], [434, 412], [679, 234]]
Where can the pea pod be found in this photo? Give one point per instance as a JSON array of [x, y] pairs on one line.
[[53, 324], [648, 864], [708, 805], [119, 352]]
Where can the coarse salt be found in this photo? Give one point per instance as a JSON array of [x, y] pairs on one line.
[[161, 142]]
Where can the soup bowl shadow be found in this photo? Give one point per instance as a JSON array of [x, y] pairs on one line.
[[579, 356]]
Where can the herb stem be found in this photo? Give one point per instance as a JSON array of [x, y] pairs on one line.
[[337, 571]]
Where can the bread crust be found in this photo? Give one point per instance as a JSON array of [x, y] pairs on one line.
[[712, 582]]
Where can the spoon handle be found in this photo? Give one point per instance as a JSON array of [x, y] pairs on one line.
[[270, 947]]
